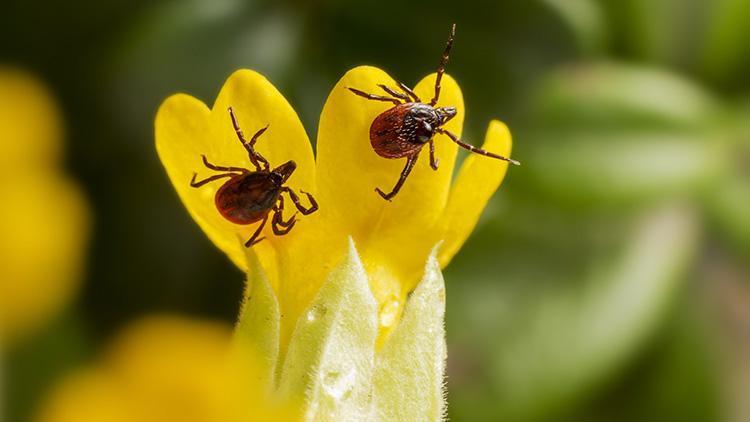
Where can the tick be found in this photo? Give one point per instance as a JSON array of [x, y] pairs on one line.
[[402, 130], [250, 196]]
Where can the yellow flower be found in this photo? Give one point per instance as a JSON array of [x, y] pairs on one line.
[[393, 239], [345, 312], [166, 369], [43, 217]]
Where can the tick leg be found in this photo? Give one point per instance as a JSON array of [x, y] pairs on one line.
[[396, 94], [250, 147], [281, 227], [305, 211], [255, 137], [441, 66], [255, 157], [474, 149], [278, 229], [292, 220], [375, 97], [198, 184], [280, 209], [220, 168], [404, 174], [433, 161], [409, 91], [254, 238]]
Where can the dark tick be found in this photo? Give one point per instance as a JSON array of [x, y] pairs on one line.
[[249, 196], [402, 130]]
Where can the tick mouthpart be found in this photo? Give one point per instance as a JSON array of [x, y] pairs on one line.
[[285, 170], [446, 113]]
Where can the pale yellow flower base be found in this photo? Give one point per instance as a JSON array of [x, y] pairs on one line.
[[332, 365]]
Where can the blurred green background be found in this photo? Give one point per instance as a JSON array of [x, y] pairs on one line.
[[609, 279]]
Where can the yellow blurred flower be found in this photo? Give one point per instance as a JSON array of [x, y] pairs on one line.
[[393, 239], [166, 369], [43, 217]]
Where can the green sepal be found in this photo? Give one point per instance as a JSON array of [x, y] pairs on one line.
[[258, 327], [409, 376], [332, 365], [329, 363]]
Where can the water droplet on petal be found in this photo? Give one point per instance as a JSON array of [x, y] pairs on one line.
[[389, 312], [316, 312], [339, 385]]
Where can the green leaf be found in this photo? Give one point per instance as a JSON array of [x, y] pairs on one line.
[[726, 47], [658, 31], [605, 132], [410, 368], [586, 19], [679, 377], [730, 208], [557, 321], [625, 166], [610, 94], [728, 202]]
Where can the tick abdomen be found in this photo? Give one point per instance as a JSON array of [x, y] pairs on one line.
[[390, 137], [247, 198]]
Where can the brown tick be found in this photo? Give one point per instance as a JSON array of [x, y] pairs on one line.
[[403, 130], [249, 196]]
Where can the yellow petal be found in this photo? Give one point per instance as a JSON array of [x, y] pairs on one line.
[[258, 103], [182, 128], [186, 128], [349, 171], [409, 221], [477, 180]]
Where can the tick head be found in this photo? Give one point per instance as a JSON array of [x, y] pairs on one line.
[[445, 114], [285, 170]]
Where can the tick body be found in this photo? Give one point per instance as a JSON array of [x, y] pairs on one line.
[[404, 129], [249, 197]]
